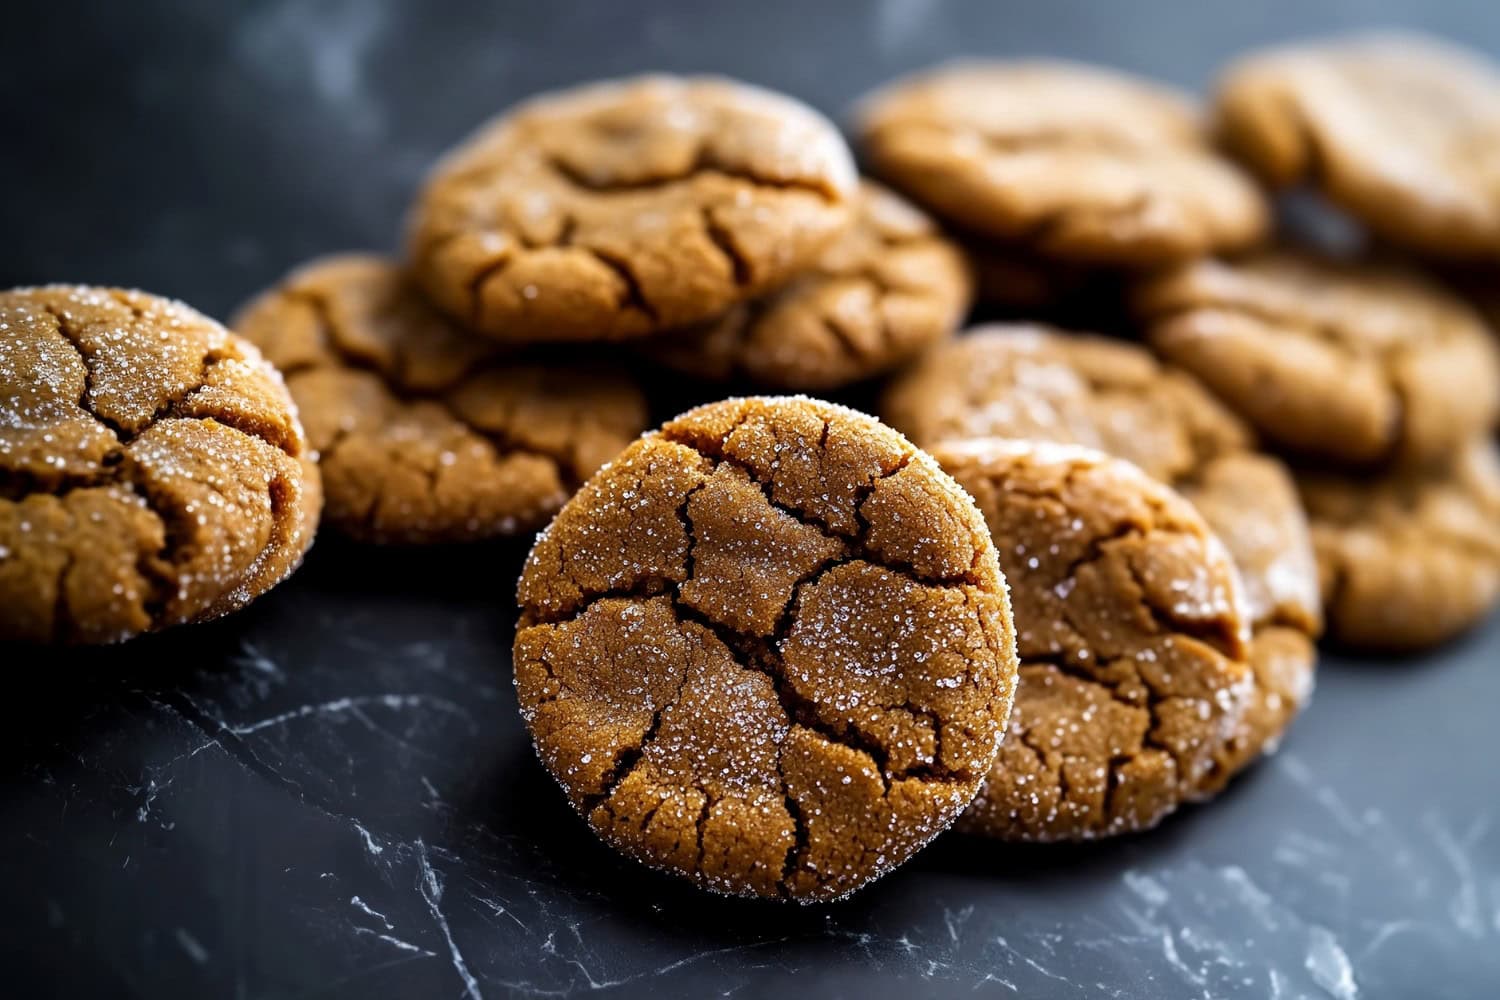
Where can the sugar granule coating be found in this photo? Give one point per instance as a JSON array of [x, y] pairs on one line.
[[426, 433], [1359, 363], [624, 208], [890, 287], [1132, 636], [1034, 383], [1410, 558], [768, 648], [152, 467], [1400, 130], [1073, 162]]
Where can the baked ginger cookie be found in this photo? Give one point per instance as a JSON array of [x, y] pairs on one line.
[[1073, 162], [153, 466], [1034, 383], [1132, 635], [624, 208], [1359, 363], [768, 649], [426, 433], [1410, 558], [1399, 130], [891, 286]]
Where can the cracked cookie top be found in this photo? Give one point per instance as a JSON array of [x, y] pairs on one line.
[[768, 648], [152, 467], [1401, 131], [1032, 383], [1073, 162], [625, 208], [426, 433], [891, 286], [1360, 363], [1131, 632], [1411, 558]]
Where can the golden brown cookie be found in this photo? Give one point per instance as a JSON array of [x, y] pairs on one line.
[[1410, 558], [1032, 383], [887, 289], [1074, 162], [1401, 131], [152, 468], [768, 649], [624, 208], [1360, 363], [1131, 631], [426, 433]]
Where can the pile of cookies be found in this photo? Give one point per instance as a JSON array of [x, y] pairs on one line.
[[1065, 583]]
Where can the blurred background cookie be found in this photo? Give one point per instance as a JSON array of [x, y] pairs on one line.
[[1408, 558], [425, 432], [155, 472], [624, 208], [1072, 162], [768, 649], [1400, 130], [1131, 629], [1358, 363], [891, 286]]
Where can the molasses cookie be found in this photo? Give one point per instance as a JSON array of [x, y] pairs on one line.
[[1072, 162], [768, 648], [1131, 632], [1037, 384], [625, 208], [887, 289], [1359, 363], [424, 432], [1401, 131], [1410, 558], [152, 468]]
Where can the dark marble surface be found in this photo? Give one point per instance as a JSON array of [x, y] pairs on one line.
[[331, 795]]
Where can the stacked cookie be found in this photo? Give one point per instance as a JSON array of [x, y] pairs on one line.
[[1378, 385], [777, 645]]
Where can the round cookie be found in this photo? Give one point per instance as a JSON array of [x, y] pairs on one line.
[[1074, 162], [1411, 558], [1032, 383], [424, 432], [1131, 632], [768, 648], [1401, 131], [1361, 364], [625, 208], [153, 468], [887, 289]]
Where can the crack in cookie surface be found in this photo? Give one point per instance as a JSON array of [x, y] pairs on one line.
[[871, 662], [153, 468], [678, 197], [891, 286], [427, 433]]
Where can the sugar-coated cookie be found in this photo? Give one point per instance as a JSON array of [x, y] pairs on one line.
[[425, 432], [624, 208], [768, 648], [155, 471]]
